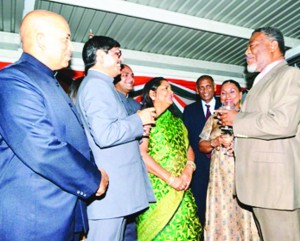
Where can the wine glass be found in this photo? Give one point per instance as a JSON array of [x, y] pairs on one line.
[[227, 131], [227, 105]]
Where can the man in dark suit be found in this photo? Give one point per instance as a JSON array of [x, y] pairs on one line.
[[45, 166], [194, 117]]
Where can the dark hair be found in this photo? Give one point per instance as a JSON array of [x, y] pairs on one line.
[[118, 77], [92, 45], [273, 34], [202, 77], [232, 82], [150, 85], [147, 102], [73, 90]]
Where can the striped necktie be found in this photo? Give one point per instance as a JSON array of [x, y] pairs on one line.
[[208, 114]]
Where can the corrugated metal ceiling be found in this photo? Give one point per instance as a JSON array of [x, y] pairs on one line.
[[171, 37]]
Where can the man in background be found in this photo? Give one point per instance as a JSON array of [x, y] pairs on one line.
[[194, 117], [45, 166], [124, 84]]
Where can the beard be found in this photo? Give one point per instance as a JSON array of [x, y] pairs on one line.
[[251, 68]]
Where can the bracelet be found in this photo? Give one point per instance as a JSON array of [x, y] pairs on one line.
[[192, 164], [171, 179]]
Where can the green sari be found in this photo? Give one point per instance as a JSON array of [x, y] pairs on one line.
[[173, 216]]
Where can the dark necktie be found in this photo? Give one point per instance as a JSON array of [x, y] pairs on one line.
[[208, 114]]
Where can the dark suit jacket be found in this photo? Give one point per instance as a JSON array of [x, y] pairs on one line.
[[194, 120], [45, 162]]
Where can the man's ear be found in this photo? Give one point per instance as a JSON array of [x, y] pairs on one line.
[[274, 46], [100, 56], [40, 40]]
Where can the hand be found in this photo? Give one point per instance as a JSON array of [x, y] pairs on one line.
[[226, 140], [178, 184], [230, 150], [103, 184], [147, 115], [186, 177], [216, 142], [147, 129], [226, 117]]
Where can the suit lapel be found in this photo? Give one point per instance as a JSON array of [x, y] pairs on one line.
[[258, 89]]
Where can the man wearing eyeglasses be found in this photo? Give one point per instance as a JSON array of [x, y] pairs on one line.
[[113, 136]]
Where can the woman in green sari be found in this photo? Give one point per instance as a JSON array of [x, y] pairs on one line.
[[170, 163]]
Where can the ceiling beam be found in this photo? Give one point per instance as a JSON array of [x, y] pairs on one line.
[[292, 53], [133, 57], [189, 68], [169, 17]]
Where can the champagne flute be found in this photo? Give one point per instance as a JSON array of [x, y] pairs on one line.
[[227, 131], [227, 105]]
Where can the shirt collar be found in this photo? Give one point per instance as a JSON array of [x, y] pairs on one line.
[[266, 70], [211, 104], [38, 64]]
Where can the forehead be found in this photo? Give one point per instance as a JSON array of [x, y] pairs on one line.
[[258, 37], [228, 86], [164, 83], [115, 49], [126, 69], [204, 82]]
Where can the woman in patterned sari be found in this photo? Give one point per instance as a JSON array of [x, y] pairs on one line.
[[170, 163], [226, 217]]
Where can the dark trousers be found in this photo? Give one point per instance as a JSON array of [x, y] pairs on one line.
[[130, 229]]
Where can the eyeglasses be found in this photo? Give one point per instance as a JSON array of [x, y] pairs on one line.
[[118, 52]]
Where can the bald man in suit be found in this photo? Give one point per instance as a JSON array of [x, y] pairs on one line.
[[45, 166]]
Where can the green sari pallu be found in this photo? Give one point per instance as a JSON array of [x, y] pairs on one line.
[[173, 216]]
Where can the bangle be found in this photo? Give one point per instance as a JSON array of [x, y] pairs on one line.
[[171, 179], [192, 164]]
